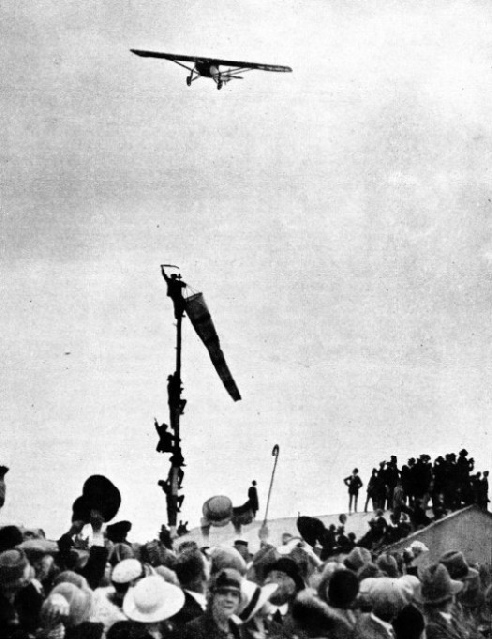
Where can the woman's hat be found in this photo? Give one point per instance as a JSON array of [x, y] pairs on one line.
[[387, 563], [13, 564], [357, 558], [218, 510], [226, 579], [436, 586], [37, 548], [152, 600], [253, 598], [221, 557], [126, 571], [98, 493], [102, 495], [457, 566], [290, 568], [79, 601]]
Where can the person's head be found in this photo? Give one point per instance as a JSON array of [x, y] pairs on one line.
[[343, 589], [313, 617], [285, 573], [15, 571], [126, 574], [286, 537], [387, 564], [10, 537], [242, 547], [385, 596], [357, 558], [192, 569], [409, 623], [254, 601], [254, 482], [437, 589], [79, 603], [224, 596], [418, 548], [152, 600], [457, 566], [222, 557], [355, 471], [119, 552], [71, 577]]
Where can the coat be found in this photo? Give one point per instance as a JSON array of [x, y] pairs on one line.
[[204, 627]]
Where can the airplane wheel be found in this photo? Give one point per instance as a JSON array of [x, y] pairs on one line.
[[219, 86], [188, 81]]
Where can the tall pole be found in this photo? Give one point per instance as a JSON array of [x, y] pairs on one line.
[[172, 485], [263, 532]]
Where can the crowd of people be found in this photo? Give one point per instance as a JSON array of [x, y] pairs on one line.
[[93, 583], [113, 589], [445, 485]]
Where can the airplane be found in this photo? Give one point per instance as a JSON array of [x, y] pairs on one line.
[[211, 67]]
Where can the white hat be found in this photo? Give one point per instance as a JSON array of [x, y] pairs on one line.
[[418, 545], [126, 571], [253, 598], [152, 600]]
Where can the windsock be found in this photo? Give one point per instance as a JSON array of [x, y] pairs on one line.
[[3, 471], [197, 310]]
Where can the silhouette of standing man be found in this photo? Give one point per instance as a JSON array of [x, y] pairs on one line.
[[353, 482], [253, 498]]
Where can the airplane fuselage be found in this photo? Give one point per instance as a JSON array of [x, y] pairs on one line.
[[207, 70]]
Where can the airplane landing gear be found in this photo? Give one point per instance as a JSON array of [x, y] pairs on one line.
[[188, 81], [220, 84]]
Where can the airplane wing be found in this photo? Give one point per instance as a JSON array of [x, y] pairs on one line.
[[228, 63]]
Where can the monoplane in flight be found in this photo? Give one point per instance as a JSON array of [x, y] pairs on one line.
[[221, 71]]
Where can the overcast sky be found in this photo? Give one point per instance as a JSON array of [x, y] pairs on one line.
[[337, 220]]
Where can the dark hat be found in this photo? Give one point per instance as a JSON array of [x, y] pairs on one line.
[[13, 564], [10, 537], [241, 542], [310, 529], [409, 623], [316, 618], [190, 565], [457, 566], [81, 510], [342, 589], [118, 531], [226, 579], [463, 452], [3, 471], [290, 568], [436, 586], [102, 495]]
